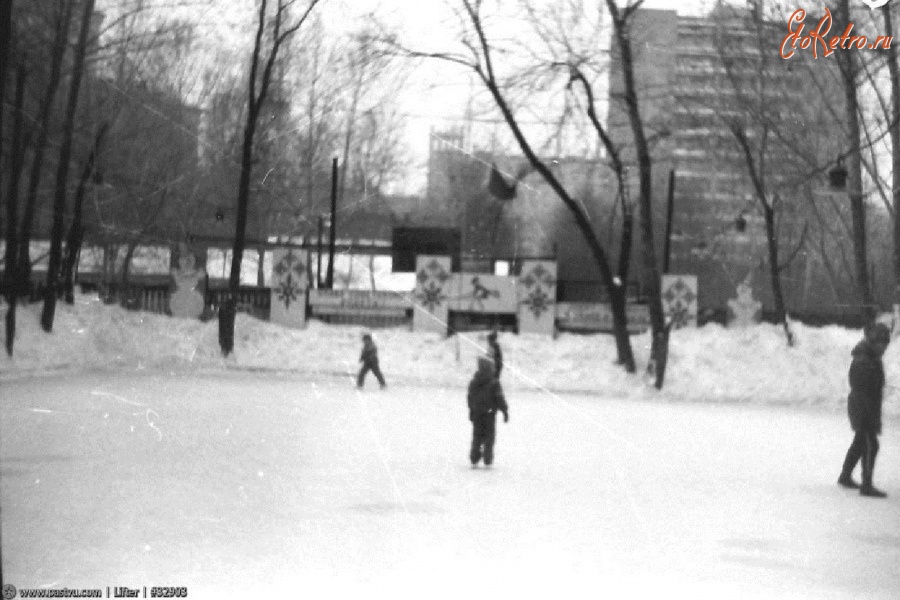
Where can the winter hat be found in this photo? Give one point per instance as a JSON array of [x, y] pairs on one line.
[[879, 332]]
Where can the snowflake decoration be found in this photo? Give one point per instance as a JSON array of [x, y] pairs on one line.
[[432, 296], [679, 298], [679, 315], [287, 291], [543, 275], [290, 264], [679, 292], [538, 302], [538, 275], [432, 270]]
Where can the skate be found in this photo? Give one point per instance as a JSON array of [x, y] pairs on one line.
[[847, 481], [871, 491]]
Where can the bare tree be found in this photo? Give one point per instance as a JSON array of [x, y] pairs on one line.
[[60, 19], [481, 62], [763, 122], [851, 80], [17, 151], [260, 77], [75, 235], [621, 21], [5, 36], [894, 128], [65, 154]]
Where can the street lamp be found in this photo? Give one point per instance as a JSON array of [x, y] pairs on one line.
[[837, 176]]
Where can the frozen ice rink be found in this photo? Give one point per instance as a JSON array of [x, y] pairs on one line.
[[265, 485]]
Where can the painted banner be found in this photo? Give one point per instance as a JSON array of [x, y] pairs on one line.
[[289, 285], [598, 317], [359, 302], [679, 296], [434, 287], [481, 293], [537, 297]]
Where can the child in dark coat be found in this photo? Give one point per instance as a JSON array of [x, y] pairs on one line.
[[485, 398], [369, 360], [864, 408]]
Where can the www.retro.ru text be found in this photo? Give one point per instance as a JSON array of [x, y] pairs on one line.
[[816, 40]]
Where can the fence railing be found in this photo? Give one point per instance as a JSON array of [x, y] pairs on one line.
[[254, 301]]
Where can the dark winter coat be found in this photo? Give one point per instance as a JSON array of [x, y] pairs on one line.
[[866, 389], [369, 354], [497, 355], [485, 394]]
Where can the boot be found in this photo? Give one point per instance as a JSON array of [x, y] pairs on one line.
[[847, 481], [871, 491]]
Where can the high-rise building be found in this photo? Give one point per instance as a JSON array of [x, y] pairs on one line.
[[703, 83]]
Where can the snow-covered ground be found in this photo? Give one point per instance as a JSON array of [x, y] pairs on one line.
[[133, 454], [711, 363]]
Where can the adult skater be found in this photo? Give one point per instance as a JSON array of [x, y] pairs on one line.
[[369, 360], [495, 353], [864, 408], [485, 398]]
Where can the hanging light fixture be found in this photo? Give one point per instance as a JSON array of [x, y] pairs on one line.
[[837, 176]]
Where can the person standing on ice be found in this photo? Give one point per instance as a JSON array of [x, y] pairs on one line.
[[495, 353], [485, 398], [864, 408], [369, 360]]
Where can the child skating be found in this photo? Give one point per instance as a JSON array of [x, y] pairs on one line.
[[369, 360], [485, 399]]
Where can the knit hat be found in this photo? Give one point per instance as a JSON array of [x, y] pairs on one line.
[[879, 332]]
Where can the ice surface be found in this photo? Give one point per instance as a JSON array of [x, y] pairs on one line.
[[288, 486]]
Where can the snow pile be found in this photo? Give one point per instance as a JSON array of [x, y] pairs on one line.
[[751, 365]]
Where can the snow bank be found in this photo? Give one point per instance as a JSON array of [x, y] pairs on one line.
[[711, 363]]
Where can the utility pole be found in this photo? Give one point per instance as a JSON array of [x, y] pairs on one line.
[[319, 253], [329, 279], [669, 211]]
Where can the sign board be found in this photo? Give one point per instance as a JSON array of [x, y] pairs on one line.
[[289, 285], [481, 293], [537, 297], [598, 317], [359, 302], [431, 298], [679, 297]]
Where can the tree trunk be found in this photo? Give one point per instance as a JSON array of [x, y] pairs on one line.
[[76, 229], [775, 271], [12, 277], [894, 70], [37, 161], [62, 174], [620, 328], [620, 313], [659, 345], [5, 35], [254, 105], [854, 176], [329, 276]]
